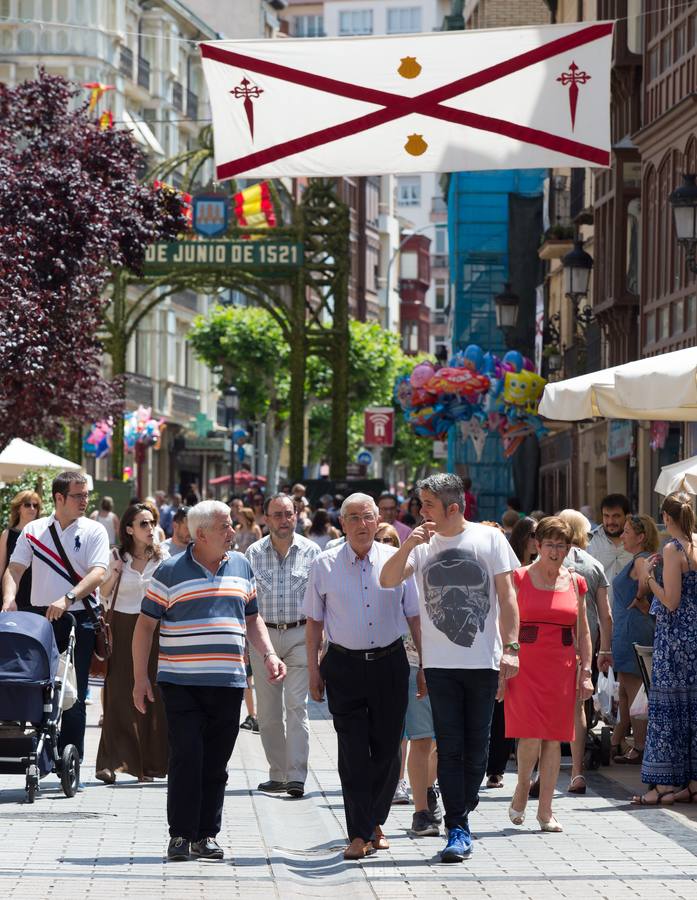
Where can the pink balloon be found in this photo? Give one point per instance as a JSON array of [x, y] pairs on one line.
[[421, 374], [528, 364]]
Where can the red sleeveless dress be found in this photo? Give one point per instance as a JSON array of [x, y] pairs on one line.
[[540, 701]]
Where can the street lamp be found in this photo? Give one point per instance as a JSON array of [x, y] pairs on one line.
[[577, 266], [507, 304], [684, 203], [231, 398]]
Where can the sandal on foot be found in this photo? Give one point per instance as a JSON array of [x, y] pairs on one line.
[[551, 825], [685, 795], [640, 799], [494, 781], [632, 757], [577, 785]]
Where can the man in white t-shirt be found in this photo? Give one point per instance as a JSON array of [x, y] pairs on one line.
[[606, 544], [54, 590], [469, 627]]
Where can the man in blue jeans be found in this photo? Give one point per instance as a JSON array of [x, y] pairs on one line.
[[469, 627]]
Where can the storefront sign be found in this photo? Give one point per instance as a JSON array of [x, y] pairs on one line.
[[379, 427], [620, 436], [163, 257]]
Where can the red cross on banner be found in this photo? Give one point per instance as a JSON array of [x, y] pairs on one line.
[[508, 98]]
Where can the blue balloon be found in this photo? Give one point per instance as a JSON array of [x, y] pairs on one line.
[[489, 364], [475, 355], [514, 358]]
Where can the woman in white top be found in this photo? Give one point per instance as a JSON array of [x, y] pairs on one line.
[[131, 743], [321, 531], [106, 516]]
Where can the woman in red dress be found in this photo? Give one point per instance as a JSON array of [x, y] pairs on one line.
[[541, 700]]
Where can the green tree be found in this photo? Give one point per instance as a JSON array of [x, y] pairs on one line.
[[245, 346]]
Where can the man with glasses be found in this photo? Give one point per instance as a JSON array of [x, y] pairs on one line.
[[281, 563], [388, 507], [85, 543], [365, 669]]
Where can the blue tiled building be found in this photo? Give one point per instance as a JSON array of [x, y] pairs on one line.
[[495, 223]]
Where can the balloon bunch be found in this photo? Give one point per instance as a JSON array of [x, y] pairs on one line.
[[140, 428], [477, 391], [97, 441]]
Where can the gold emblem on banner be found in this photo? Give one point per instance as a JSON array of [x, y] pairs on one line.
[[409, 67], [416, 145]]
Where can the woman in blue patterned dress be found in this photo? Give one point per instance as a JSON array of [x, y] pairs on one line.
[[670, 756]]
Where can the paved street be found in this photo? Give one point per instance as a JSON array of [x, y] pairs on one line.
[[110, 841]]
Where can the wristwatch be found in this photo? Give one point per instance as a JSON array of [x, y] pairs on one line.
[[70, 597], [514, 645]]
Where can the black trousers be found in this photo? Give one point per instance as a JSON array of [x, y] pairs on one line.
[[74, 719], [368, 702], [500, 747], [202, 727]]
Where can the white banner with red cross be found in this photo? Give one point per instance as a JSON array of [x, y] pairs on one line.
[[510, 98]]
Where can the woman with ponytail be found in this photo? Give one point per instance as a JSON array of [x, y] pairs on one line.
[[670, 756]]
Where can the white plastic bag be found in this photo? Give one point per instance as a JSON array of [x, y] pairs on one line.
[[640, 706], [70, 696], [605, 694]]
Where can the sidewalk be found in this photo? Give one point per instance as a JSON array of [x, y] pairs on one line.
[[110, 842]]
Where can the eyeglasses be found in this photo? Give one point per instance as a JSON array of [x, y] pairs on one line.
[[354, 519], [385, 540], [286, 514], [637, 524], [80, 497], [28, 504], [561, 548], [146, 523]]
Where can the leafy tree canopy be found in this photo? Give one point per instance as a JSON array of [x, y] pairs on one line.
[[71, 207]]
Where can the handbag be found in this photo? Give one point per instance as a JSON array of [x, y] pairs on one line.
[[100, 663], [102, 628]]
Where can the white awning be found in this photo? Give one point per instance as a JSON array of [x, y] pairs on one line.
[[142, 133], [19, 455], [679, 476], [660, 387]]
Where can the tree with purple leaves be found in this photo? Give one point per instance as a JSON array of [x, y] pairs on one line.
[[72, 210]]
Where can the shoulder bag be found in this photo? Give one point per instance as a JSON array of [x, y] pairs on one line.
[[102, 628]]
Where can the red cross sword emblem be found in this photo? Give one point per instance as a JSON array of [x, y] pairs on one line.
[[393, 106], [573, 78], [245, 89]]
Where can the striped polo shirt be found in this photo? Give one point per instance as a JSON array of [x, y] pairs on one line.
[[202, 619]]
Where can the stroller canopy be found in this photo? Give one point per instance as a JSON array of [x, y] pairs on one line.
[[28, 651]]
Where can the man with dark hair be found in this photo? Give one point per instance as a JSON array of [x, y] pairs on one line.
[[180, 532], [281, 564], [469, 628], [85, 544], [388, 506], [606, 544]]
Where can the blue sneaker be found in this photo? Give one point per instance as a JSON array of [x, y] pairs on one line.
[[459, 846]]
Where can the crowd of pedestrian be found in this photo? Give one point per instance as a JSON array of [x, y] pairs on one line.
[[441, 644]]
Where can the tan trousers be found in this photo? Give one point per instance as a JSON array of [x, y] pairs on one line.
[[286, 743]]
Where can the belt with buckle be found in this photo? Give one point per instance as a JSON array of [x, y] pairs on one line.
[[283, 626], [369, 655]]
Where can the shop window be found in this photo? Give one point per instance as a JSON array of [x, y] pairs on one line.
[[663, 323], [650, 328]]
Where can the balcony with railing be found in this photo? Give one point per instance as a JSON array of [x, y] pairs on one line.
[[126, 62], [177, 96], [185, 401], [143, 73], [139, 389]]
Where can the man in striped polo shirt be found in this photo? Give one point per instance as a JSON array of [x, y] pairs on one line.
[[205, 603]]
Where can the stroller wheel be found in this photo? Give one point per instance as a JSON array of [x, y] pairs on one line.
[[32, 785], [70, 771]]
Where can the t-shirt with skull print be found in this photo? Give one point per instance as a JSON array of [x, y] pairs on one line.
[[457, 597]]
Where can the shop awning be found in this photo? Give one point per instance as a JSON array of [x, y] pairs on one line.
[[20, 456], [142, 133], [661, 387], [679, 476]]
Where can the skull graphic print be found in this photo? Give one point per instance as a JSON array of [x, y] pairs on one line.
[[456, 593]]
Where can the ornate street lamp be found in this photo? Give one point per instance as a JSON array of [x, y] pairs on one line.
[[231, 398], [507, 303], [684, 203], [577, 266]]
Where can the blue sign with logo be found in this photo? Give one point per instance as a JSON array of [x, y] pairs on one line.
[[364, 458], [210, 214]]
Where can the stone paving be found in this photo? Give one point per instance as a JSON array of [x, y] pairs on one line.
[[110, 842]]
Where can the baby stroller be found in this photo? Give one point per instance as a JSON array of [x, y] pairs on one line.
[[32, 698]]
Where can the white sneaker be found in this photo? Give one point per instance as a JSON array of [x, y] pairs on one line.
[[401, 795]]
